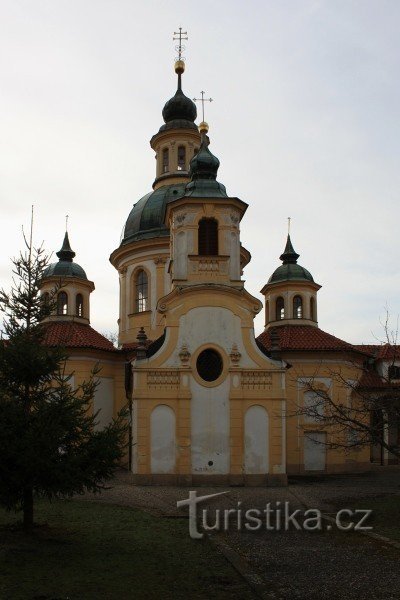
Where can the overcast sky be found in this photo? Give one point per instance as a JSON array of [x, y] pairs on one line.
[[305, 122]]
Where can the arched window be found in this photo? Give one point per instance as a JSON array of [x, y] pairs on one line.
[[165, 160], [267, 312], [181, 158], [312, 309], [280, 308], [79, 305], [62, 303], [141, 291], [297, 307], [208, 237], [45, 304]]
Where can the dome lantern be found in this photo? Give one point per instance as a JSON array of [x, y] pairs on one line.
[[67, 283], [291, 293]]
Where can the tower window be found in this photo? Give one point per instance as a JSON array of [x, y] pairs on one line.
[[62, 303], [208, 237], [181, 158], [312, 309], [79, 305], [280, 308], [142, 291], [165, 159], [297, 307]]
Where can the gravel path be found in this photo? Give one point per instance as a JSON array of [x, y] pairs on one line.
[[318, 565]]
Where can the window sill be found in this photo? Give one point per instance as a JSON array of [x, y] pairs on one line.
[[140, 312]]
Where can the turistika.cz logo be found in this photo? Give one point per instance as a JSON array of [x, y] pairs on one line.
[[276, 516]]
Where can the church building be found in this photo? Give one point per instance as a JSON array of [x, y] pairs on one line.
[[210, 403]]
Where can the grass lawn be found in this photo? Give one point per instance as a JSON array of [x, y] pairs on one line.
[[88, 550], [385, 517]]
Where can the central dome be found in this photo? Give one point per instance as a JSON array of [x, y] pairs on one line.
[[146, 219]]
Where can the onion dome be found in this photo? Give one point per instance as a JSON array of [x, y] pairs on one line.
[[204, 165], [290, 270], [180, 111], [203, 171], [65, 267]]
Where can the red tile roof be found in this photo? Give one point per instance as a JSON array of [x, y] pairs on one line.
[[381, 351], [70, 334], [372, 380], [303, 337]]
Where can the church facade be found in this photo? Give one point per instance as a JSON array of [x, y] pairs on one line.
[[210, 403]]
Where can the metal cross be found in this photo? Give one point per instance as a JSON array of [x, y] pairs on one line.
[[288, 225], [202, 100], [180, 37], [66, 222]]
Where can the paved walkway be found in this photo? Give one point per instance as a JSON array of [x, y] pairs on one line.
[[318, 565]]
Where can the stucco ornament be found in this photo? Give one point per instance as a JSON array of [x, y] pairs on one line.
[[180, 219], [235, 354], [184, 354]]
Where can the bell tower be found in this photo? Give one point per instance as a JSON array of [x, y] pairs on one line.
[[204, 225]]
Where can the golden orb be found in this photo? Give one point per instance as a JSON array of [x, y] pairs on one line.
[[203, 127], [179, 67]]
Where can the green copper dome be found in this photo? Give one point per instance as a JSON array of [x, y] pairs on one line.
[[290, 270], [65, 267], [146, 219]]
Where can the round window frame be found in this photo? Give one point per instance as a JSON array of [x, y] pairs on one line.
[[225, 365]]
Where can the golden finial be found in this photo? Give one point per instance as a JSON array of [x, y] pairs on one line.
[[179, 67], [203, 127]]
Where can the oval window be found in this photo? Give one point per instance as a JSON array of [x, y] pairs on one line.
[[209, 364]]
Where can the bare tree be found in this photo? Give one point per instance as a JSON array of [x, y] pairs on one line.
[[361, 405]]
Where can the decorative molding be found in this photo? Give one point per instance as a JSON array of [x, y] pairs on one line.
[[164, 379], [256, 380], [160, 260]]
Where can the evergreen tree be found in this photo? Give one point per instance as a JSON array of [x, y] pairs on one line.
[[48, 444]]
